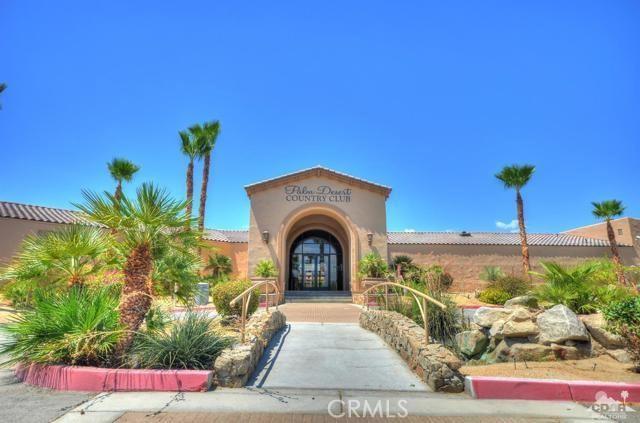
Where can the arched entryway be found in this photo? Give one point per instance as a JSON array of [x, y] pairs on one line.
[[316, 262]]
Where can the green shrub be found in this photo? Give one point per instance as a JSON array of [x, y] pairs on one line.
[[191, 342], [512, 285], [372, 266], [79, 326], [623, 313], [224, 292], [19, 293], [493, 295], [585, 288], [266, 269], [157, 319]]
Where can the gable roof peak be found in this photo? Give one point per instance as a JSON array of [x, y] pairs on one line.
[[317, 170]]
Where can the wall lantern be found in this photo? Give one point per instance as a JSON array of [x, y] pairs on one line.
[[370, 238], [265, 236]]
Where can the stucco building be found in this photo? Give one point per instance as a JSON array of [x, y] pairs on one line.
[[316, 225]]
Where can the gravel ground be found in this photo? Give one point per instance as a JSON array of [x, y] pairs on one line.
[[28, 404]]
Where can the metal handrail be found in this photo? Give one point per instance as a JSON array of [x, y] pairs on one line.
[[422, 305], [246, 299]]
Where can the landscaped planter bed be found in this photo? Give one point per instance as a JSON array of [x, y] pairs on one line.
[[96, 379]]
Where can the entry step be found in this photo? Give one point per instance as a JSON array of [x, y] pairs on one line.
[[317, 297]]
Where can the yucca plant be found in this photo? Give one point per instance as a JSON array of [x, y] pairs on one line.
[[372, 266], [191, 342], [75, 327], [266, 269]]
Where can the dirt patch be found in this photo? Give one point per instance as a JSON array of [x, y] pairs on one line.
[[468, 299], [606, 369]]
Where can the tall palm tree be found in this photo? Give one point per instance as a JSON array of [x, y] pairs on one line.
[[146, 226], [516, 177], [121, 170], [607, 210], [3, 87], [70, 255], [190, 148], [206, 135]]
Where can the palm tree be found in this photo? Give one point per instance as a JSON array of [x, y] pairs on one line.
[[206, 135], [190, 148], [146, 227], [517, 177], [3, 87], [606, 210], [219, 265], [70, 255], [121, 170]]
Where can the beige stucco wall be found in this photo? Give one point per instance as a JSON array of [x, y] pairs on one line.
[[13, 231], [626, 229], [237, 251], [351, 221], [466, 262]]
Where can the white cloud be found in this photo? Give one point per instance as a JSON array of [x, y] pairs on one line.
[[511, 226], [409, 230]]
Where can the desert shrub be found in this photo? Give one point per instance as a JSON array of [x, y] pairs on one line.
[[191, 342], [491, 273], [266, 269], [433, 277], [492, 295], [512, 285], [19, 293], [372, 266], [632, 345], [157, 319], [224, 292], [623, 313], [75, 327]]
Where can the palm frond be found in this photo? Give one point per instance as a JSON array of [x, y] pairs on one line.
[[122, 169], [516, 176]]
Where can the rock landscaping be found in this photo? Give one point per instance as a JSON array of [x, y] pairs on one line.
[[235, 365], [520, 331], [434, 363]]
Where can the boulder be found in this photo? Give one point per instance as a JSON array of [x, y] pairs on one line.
[[564, 352], [596, 325], [520, 315], [531, 352], [486, 316], [519, 329], [559, 324], [472, 342], [497, 355], [523, 301], [620, 355], [496, 329]]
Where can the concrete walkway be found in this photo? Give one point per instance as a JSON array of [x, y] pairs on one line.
[[333, 356]]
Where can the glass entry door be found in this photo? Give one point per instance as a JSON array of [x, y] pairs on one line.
[[314, 269], [315, 262]]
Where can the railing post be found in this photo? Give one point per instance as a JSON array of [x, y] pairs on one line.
[[386, 297], [266, 296], [425, 319], [243, 318]]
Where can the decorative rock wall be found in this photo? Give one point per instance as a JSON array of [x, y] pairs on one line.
[[517, 332], [235, 365], [435, 364]]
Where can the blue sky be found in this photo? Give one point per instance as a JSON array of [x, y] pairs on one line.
[[431, 98]]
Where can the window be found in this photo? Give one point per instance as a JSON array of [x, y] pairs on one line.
[[619, 231]]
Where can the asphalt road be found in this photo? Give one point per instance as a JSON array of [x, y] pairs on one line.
[[27, 404]]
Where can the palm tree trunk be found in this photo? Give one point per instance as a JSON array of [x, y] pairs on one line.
[[203, 191], [523, 236], [136, 294], [615, 255], [190, 188], [118, 194]]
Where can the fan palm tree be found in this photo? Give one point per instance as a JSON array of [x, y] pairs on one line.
[[121, 170], [190, 148], [146, 227], [607, 210], [206, 135], [516, 177], [219, 265], [69, 255]]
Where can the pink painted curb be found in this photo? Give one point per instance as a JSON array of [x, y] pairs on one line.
[[481, 387], [72, 378]]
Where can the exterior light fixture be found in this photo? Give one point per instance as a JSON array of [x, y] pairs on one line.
[[265, 236], [370, 238]]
